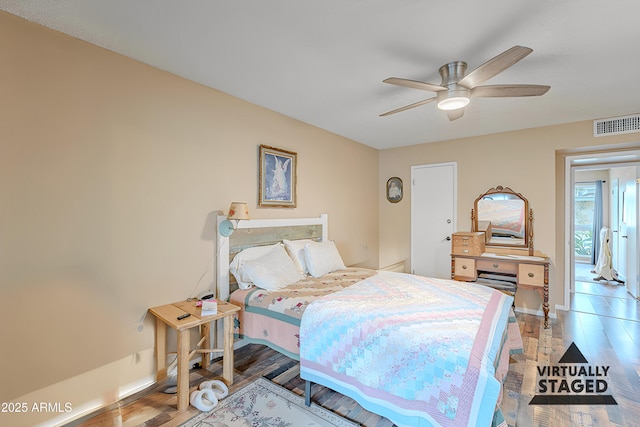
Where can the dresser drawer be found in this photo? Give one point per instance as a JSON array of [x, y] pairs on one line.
[[463, 243], [464, 269], [497, 266], [531, 274]]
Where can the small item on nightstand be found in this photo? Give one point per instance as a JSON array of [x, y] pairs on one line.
[[205, 295], [209, 307], [183, 316]]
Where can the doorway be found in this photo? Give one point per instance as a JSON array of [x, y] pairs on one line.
[[588, 291]]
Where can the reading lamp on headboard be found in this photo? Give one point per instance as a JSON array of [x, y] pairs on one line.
[[237, 211]]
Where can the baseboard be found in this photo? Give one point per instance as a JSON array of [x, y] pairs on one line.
[[239, 342], [92, 406], [397, 267], [538, 313]]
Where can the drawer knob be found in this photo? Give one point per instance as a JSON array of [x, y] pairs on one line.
[[496, 265], [531, 274], [464, 267]]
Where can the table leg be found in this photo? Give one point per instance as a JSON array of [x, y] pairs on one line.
[[545, 306], [544, 295], [227, 356], [206, 334], [183, 369], [161, 350], [545, 298]]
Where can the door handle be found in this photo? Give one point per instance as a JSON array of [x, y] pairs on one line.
[[624, 237]]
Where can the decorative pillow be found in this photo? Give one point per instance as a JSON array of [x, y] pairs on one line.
[[322, 258], [244, 282], [273, 270], [295, 249]]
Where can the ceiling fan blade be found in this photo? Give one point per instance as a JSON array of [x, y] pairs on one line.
[[494, 66], [455, 114], [414, 84], [406, 107], [504, 91]]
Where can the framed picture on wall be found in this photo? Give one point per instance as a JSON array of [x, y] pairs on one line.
[[394, 189], [277, 182]]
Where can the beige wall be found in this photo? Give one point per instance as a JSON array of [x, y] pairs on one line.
[[530, 161], [111, 173]]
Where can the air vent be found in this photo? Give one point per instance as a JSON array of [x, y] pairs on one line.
[[616, 125]]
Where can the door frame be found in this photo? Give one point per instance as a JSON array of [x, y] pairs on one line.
[[608, 159], [615, 222], [454, 165]]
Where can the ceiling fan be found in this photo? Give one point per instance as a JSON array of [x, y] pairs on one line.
[[456, 89]]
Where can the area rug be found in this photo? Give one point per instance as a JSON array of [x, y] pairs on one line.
[[266, 404]]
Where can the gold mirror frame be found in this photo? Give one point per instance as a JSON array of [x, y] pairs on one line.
[[527, 240]]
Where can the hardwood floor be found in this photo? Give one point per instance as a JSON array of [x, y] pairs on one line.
[[609, 299], [603, 339]]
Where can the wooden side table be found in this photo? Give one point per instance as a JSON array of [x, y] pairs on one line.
[[168, 315]]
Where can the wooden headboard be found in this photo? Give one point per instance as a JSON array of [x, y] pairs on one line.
[[260, 232]]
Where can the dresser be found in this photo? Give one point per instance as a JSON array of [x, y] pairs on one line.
[[505, 271], [498, 251]]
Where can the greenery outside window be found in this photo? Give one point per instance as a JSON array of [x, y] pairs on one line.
[[584, 201]]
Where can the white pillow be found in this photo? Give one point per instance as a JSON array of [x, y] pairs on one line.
[[295, 249], [244, 282], [322, 258], [273, 270]]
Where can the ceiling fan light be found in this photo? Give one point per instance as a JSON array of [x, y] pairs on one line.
[[453, 103]]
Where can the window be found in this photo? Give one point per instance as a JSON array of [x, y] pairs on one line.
[[584, 201]]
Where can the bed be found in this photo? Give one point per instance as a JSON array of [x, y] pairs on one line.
[[419, 351]]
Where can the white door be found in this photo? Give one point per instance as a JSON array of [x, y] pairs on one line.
[[624, 174], [630, 233], [433, 208]]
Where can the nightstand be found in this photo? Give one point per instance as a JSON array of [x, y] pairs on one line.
[[168, 315]]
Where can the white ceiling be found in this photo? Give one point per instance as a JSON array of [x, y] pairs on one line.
[[323, 62]]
